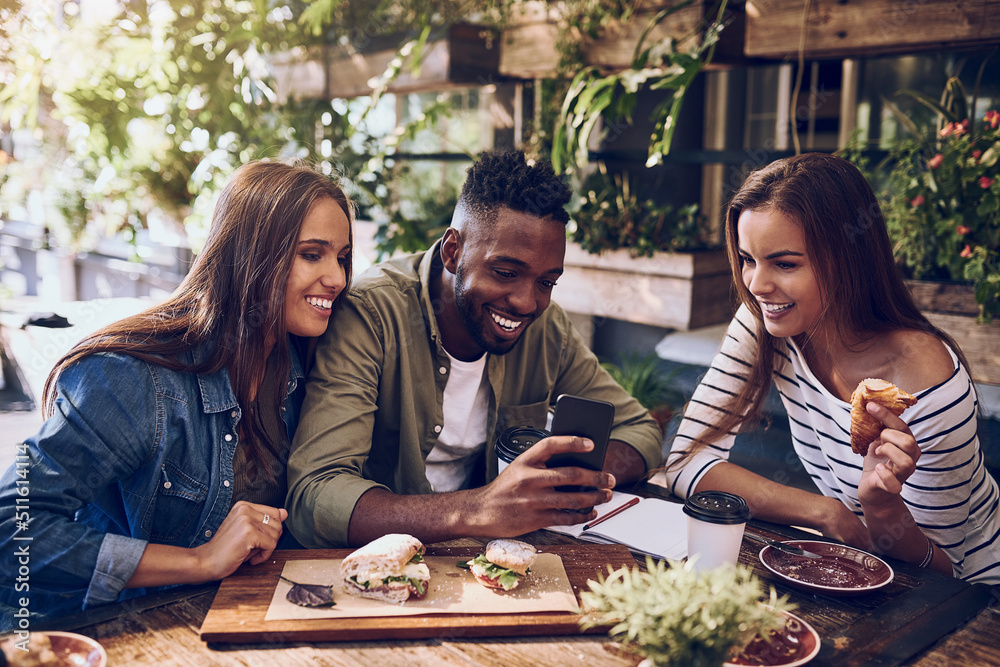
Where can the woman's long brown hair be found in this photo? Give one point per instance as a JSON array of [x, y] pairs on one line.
[[849, 247], [233, 298]]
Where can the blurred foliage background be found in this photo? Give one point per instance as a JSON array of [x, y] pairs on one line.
[[120, 116]]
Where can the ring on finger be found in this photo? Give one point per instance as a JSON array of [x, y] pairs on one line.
[[267, 518]]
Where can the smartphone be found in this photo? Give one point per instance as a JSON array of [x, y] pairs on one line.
[[587, 418]]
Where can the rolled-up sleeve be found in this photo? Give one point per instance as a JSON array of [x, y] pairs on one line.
[[333, 440], [117, 560]]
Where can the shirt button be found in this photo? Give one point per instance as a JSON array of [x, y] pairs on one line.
[[228, 437], [166, 485], [226, 483], [437, 428], [442, 370], [208, 533]]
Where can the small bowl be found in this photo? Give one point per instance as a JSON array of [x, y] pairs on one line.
[[801, 643], [62, 648]]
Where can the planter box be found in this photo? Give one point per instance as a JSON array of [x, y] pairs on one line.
[[528, 46], [953, 309], [463, 54], [670, 290], [864, 28]]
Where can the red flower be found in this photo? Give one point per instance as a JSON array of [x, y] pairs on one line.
[[962, 230], [993, 118], [917, 201], [935, 161], [966, 252], [955, 128], [976, 154], [985, 182]]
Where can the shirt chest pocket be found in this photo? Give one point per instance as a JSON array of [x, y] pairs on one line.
[[177, 501]]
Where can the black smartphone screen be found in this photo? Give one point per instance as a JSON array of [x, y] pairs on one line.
[[584, 417]]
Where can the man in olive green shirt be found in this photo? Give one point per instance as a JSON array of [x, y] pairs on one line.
[[432, 355]]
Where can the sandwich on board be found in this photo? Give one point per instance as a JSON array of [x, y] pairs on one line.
[[503, 564], [389, 569]]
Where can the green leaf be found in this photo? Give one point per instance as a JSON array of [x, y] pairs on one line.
[[932, 104], [990, 155]]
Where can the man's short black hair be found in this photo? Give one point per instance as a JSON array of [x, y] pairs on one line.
[[504, 179]]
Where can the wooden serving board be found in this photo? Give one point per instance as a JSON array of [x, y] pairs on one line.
[[237, 613]]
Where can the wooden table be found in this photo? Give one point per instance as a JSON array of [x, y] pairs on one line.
[[921, 618]]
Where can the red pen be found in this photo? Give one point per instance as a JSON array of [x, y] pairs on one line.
[[614, 512]]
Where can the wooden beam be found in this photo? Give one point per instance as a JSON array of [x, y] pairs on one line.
[[466, 55], [528, 46], [855, 28]]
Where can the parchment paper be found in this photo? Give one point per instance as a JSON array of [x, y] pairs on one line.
[[452, 590]]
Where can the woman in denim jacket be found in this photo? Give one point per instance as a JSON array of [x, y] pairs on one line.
[[162, 460]]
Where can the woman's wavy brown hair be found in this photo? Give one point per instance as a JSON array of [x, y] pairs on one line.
[[233, 298], [849, 248]]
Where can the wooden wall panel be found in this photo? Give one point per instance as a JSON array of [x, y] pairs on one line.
[[856, 28], [528, 47]]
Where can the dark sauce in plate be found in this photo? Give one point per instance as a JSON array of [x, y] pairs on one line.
[[840, 567], [831, 571], [785, 647]]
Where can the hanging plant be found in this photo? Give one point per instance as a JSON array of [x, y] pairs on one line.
[[594, 95]]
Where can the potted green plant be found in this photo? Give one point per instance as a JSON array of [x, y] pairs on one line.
[[943, 206], [672, 615], [635, 260], [641, 376], [595, 94], [611, 213], [939, 187]]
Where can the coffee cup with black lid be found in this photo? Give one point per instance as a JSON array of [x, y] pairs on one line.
[[515, 441], [715, 524]]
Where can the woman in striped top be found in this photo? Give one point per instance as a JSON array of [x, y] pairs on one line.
[[824, 307]]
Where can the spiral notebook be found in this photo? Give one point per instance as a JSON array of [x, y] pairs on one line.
[[651, 527]]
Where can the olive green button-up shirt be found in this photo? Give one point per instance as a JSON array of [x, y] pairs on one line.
[[373, 407]]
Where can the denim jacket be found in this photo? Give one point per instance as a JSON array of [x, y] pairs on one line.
[[134, 453]]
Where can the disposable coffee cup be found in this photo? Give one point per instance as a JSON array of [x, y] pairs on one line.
[[715, 524], [515, 441]]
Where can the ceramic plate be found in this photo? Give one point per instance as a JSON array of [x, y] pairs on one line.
[[842, 570], [797, 645], [65, 648]]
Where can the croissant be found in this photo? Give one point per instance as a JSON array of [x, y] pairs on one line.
[[864, 427]]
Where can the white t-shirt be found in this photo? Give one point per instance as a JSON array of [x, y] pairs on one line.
[[463, 436]]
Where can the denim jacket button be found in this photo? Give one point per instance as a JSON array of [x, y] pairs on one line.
[[166, 485], [226, 483], [208, 533], [233, 414], [228, 437]]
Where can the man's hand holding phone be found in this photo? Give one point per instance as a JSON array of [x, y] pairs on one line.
[[526, 496], [587, 418], [559, 479]]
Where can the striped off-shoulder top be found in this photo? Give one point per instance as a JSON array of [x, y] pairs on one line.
[[951, 495]]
